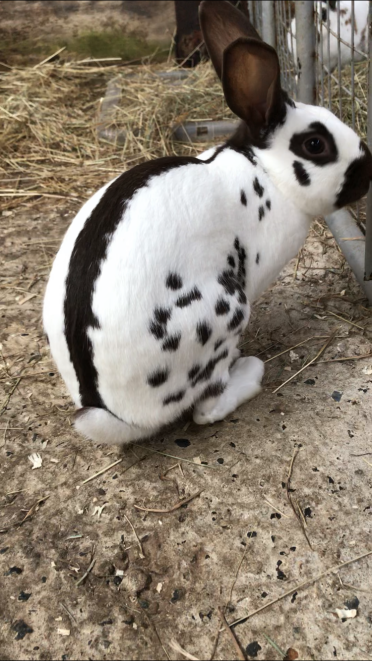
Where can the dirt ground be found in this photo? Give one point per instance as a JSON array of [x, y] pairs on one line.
[[84, 574], [154, 19]]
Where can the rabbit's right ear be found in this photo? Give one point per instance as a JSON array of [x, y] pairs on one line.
[[251, 84], [222, 24]]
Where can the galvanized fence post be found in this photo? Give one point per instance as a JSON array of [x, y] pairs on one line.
[[368, 253], [305, 40], [268, 23]]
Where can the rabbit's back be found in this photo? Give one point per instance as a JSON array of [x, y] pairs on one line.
[[143, 331]]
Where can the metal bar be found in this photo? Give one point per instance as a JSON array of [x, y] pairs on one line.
[[268, 23], [305, 33], [368, 252], [352, 66], [343, 226], [339, 60]]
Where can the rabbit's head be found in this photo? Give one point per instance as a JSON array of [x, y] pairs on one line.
[[315, 160]]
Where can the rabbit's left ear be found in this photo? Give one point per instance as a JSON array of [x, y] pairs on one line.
[[221, 24], [251, 83]]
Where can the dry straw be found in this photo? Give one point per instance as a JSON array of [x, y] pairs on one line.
[[49, 118]]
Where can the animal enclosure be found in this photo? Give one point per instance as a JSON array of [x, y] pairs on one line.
[[324, 50]]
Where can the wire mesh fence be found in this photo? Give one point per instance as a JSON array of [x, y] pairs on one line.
[[324, 50]]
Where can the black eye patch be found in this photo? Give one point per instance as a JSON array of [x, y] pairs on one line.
[[316, 130]]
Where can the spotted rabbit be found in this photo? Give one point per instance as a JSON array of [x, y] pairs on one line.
[[153, 283]]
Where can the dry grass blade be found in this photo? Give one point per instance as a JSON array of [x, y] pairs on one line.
[[103, 470], [177, 648], [29, 514], [336, 568], [171, 509], [297, 510], [141, 553], [86, 573], [10, 393], [331, 337], [232, 636]]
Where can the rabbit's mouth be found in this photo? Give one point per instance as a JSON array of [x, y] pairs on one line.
[[357, 179]]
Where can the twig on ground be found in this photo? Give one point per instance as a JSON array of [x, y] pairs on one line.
[[297, 512], [340, 360], [92, 477], [177, 648], [142, 555], [171, 509], [345, 320], [152, 625], [172, 456], [325, 345], [232, 636], [299, 586], [276, 509], [9, 395], [86, 573], [68, 612]]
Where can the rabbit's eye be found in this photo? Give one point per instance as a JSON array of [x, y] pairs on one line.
[[314, 146]]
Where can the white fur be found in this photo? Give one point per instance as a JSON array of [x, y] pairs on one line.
[[186, 220], [361, 8], [244, 383]]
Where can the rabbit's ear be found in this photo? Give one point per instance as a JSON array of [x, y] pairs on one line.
[[251, 84], [221, 24]]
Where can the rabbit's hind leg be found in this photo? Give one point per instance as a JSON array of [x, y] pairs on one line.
[[102, 426], [244, 383]]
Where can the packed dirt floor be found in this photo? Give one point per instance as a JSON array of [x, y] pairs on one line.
[[265, 516], [85, 574]]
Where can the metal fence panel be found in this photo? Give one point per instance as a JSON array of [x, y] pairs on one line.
[[324, 50]]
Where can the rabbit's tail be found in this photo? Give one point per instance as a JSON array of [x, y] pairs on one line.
[[103, 427]]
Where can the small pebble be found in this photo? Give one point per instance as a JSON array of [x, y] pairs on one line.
[[253, 649], [21, 629], [182, 442]]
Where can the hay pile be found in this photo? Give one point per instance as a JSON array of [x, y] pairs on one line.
[[49, 117]]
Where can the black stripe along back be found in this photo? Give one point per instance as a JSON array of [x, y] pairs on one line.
[[89, 251]]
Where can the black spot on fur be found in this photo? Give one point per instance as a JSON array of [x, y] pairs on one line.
[[237, 244], [231, 261], [187, 299], [162, 315], [90, 250], [158, 330], [173, 281], [218, 344], [213, 390], [222, 306], [261, 212], [203, 332], [193, 372], [242, 298], [228, 281], [236, 319], [258, 188], [172, 342], [206, 373], [268, 204], [301, 175], [175, 397], [316, 129], [243, 198], [258, 258], [157, 378], [356, 180]]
